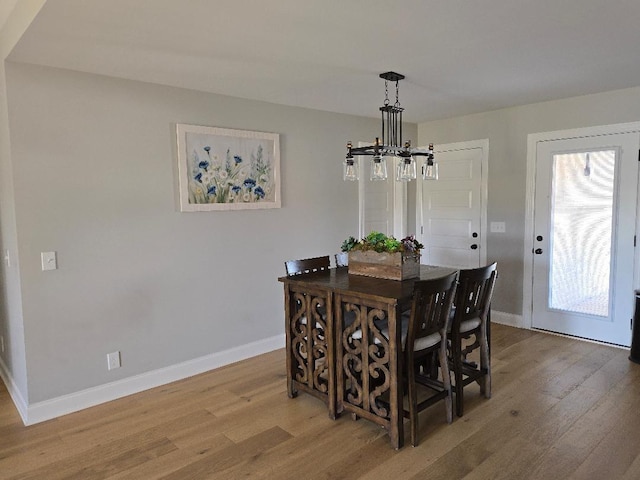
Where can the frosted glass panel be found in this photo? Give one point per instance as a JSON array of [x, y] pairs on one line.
[[581, 232]]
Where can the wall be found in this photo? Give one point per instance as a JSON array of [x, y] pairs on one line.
[[507, 132], [95, 180], [14, 20]]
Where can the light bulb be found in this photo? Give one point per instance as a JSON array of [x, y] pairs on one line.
[[430, 171], [378, 168], [406, 170], [350, 170]]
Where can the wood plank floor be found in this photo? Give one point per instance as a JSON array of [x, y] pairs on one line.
[[561, 408]]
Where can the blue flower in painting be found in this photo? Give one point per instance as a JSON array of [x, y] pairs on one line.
[[211, 190], [259, 192], [204, 165], [198, 177], [207, 149], [235, 189], [237, 158], [249, 183]]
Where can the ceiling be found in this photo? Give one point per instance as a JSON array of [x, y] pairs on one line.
[[458, 56]]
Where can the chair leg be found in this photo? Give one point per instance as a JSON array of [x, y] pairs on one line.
[[446, 380], [413, 405], [456, 353], [485, 365]]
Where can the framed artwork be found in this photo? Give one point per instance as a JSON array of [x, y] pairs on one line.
[[224, 169]]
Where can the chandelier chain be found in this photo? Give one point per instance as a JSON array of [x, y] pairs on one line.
[[397, 104], [386, 93]]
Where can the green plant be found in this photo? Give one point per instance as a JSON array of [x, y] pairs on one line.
[[379, 242]]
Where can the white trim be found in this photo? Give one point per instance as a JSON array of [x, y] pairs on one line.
[[14, 392], [55, 407], [508, 319], [399, 206], [532, 140]]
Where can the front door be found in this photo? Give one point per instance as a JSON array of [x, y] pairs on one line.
[[450, 217], [584, 235]]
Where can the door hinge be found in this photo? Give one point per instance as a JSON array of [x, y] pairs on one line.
[[631, 323], [634, 240], [421, 230]]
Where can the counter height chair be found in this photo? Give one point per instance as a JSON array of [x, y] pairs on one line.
[[471, 318], [307, 265], [426, 334], [309, 335]]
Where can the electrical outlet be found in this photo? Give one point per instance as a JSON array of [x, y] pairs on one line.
[[2, 343], [113, 360]]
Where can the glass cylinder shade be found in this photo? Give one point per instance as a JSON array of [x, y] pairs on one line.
[[351, 170], [406, 169], [430, 171], [378, 168]]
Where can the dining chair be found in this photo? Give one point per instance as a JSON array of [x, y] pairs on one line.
[[309, 335], [470, 317], [307, 265], [426, 334]]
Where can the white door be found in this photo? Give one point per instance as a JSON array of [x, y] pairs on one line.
[[451, 211], [382, 203], [584, 235]]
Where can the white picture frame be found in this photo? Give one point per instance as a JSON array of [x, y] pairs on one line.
[[226, 169]]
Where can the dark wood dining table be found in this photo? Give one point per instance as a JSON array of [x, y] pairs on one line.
[[343, 342]]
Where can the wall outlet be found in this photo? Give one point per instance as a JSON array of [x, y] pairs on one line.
[[2, 343], [113, 360]]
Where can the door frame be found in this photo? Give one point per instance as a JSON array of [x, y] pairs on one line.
[[399, 195], [532, 140], [484, 190]]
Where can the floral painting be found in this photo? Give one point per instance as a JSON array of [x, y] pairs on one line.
[[223, 169]]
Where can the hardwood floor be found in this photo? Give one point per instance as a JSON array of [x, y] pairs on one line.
[[561, 408]]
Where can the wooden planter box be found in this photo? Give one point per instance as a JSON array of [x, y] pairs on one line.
[[392, 266]]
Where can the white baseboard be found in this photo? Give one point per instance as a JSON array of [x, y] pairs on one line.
[[73, 402], [14, 393], [508, 319]]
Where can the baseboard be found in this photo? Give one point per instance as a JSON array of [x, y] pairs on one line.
[[14, 393], [508, 319], [56, 407]]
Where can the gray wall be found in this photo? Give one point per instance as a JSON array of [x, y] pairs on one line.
[[94, 167], [507, 132]]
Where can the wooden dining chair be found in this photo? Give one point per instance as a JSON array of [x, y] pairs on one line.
[[307, 265], [427, 334], [309, 335], [472, 306]]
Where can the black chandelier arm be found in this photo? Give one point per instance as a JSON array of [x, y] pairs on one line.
[[383, 150]]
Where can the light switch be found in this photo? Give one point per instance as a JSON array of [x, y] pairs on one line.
[[49, 261], [497, 227]]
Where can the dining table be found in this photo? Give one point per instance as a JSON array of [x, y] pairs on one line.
[[344, 342]]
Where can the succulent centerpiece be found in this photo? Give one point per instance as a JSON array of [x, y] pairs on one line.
[[382, 256]]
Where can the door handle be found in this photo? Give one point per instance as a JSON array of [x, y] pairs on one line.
[[537, 251], [474, 246]]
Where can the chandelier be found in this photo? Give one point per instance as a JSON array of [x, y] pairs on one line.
[[389, 144]]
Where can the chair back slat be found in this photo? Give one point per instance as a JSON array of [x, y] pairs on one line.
[[307, 265], [431, 306], [475, 290]]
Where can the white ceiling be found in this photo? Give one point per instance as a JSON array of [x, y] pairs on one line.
[[459, 56]]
